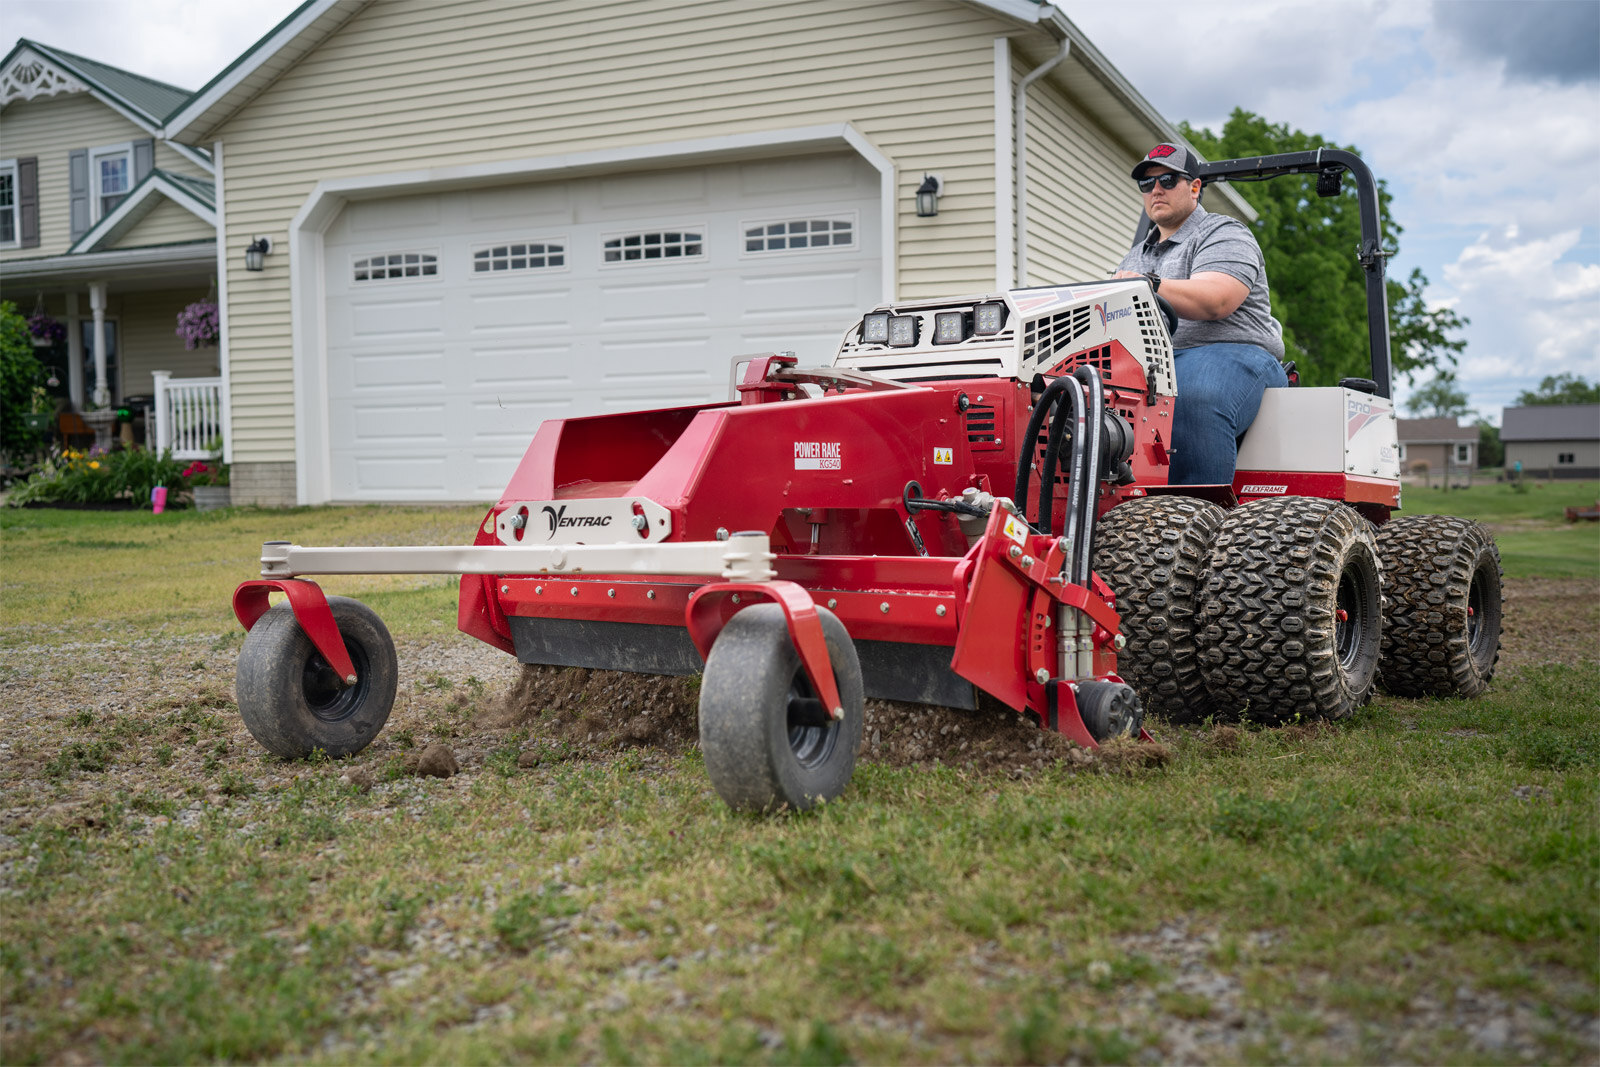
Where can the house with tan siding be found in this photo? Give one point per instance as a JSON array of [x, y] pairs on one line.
[[482, 215], [106, 225]]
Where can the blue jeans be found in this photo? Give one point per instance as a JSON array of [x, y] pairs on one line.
[[1219, 393]]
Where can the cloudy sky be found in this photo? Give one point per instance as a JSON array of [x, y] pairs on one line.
[[1483, 115]]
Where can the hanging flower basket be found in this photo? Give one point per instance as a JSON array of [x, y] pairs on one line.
[[198, 324], [46, 332]]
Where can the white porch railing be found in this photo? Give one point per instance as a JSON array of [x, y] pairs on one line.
[[188, 415]]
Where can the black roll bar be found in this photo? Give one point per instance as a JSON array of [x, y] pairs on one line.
[[1327, 164]]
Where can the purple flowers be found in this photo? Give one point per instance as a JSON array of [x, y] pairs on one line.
[[197, 324], [44, 328]]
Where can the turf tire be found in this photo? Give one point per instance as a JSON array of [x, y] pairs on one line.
[[1441, 626], [1153, 552], [759, 753], [1273, 641], [288, 696]]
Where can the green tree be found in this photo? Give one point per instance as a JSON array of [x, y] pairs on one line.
[[1562, 389], [1491, 452], [20, 372], [1441, 398], [1318, 289]]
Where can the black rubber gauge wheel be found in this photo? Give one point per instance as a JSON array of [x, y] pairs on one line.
[[1153, 553], [1441, 625], [289, 697], [1293, 614], [1109, 709], [768, 741]]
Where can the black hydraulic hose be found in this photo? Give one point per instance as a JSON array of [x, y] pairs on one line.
[[1041, 409], [1070, 527], [1052, 464], [1094, 430]]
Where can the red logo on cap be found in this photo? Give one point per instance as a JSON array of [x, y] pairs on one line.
[[1160, 151]]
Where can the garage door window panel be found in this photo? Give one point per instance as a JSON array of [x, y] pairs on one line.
[[791, 234], [543, 254], [394, 266], [686, 242]]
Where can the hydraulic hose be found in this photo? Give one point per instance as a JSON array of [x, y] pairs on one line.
[[1093, 425], [1041, 409]]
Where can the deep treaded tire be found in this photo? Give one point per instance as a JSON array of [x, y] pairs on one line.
[[765, 737], [1153, 553], [1293, 610], [1441, 624], [290, 699]]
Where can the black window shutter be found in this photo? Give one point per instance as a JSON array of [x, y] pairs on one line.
[[28, 202], [144, 159], [78, 191]]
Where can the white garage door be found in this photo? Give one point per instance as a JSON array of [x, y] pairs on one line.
[[458, 321]]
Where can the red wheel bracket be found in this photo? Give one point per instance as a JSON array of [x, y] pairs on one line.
[[311, 611], [705, 621]]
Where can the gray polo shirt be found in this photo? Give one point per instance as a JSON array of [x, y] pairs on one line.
[[1207, 242]]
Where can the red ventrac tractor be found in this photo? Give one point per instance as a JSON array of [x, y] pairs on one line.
[[972, 497]]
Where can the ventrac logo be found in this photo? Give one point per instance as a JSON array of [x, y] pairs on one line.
[[1357, 415], [818, 456], [558, 519], [1109, 315]]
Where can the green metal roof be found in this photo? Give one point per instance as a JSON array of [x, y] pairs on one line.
[[150, 98], [202, 189]]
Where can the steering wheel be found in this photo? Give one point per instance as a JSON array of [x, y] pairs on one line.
[[1167, 312]]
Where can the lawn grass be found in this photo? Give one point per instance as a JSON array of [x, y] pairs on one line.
[[84, 575], [1372, 891]]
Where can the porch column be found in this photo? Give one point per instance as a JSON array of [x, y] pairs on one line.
[[97, 304], [75, 388]]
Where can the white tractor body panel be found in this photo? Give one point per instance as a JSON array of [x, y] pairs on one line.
[[1323, 431]]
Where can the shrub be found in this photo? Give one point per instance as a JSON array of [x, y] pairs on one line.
[[20, 373], [73, 477]]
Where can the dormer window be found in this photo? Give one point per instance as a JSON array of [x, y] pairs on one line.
[[110, 178]]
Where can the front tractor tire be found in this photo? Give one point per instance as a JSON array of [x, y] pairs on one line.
[[1293, 615], [1441, 629], [291, 700], [768, 742], [1153, 553]]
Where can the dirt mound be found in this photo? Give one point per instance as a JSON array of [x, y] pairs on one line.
[[572, 711]]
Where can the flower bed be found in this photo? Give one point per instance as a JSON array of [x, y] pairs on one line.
[[69, 477]]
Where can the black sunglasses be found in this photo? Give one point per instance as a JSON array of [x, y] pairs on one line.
[[1168, 180]]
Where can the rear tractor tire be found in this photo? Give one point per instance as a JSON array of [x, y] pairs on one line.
[[290, 699], [1153, 553], [1293, 611], [1441, 626], [767, 739]]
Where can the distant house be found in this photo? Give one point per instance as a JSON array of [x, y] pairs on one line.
[[1553, 440], [105, 224], [1436, 449]]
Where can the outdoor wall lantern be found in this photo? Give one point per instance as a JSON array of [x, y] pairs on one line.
[[928, 194], [255, 257]]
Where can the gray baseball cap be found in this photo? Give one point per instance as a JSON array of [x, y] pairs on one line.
[[1174, 156]]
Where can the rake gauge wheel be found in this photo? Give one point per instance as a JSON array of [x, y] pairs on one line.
[[767, 740], [1153, 553], [1293, 615], [291, 700], [1441, 624]]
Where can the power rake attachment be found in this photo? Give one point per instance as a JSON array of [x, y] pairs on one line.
[[950, 590]]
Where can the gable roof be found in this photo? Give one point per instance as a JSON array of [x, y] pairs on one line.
[[1551, 422], [144, 100], [1433, 431], [196, 195]]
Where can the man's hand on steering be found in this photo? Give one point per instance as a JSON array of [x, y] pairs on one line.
[[1205, 297]]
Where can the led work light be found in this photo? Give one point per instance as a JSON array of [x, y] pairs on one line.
[[988, 318], [903, 330], [875, 328], [950, 327]]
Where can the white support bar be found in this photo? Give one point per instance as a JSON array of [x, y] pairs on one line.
[[744, 557]]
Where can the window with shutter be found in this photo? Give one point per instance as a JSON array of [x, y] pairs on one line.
[[110, 178], [10, 219]]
